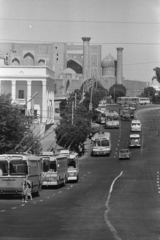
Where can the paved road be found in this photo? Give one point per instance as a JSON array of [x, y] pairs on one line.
[[114, 199]]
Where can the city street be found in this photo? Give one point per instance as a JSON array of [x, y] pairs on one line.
[[114, 199]]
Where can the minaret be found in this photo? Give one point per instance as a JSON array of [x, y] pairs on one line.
[[119, 65], [86, 58]]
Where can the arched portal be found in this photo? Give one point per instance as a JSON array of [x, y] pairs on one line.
[[15, 61], [41, 62], [75, 66], [28, 59]]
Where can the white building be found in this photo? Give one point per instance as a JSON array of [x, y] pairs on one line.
[[30, 82]]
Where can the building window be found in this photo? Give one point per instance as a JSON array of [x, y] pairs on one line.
[[21, 94]]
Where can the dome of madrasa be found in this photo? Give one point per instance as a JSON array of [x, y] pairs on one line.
[[108, 61]]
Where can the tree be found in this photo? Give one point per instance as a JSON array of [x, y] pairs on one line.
[[15, 131], [157, 72], [117, 90], [149, 92], [98, 93]]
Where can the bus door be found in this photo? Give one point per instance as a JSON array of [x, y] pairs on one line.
[[45, 167], [73, 167]]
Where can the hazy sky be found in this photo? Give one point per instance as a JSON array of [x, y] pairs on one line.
[[131, 24]]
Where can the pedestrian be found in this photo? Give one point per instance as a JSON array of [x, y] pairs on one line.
[[24, 191], [83, 149], [29, 189]]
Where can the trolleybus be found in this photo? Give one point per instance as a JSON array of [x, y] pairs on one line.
[[14, 168], [101, 144]]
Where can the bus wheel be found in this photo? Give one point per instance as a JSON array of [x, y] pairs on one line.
[[38, 190], [58, 183], [64, 180], [77, 179]]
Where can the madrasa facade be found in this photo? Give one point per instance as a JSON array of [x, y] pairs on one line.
[[72, 64]]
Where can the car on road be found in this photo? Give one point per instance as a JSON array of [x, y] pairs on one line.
[[135, 140], [124, 154], [135, 126]]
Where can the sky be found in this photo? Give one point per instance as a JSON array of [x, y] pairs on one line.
[[131, 24]]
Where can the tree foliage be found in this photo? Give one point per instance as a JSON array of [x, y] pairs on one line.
[[117, 90], [72, 133], [149, 92], [157, 72], [14, 127]]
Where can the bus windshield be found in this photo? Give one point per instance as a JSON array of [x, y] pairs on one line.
[[101, 142], [115, 118], [18, 167], [53, 166], [72, 163], [45, 165], [4, 168]]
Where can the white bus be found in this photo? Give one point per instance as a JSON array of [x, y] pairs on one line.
[[101, 144], [112, 119], [73, 167], [56, 173], [127, 100], [135, 140], [14, 168], [144, 100]]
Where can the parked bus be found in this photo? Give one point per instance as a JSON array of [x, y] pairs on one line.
[[14, 168], [144, 100], [112, 119], [57, 170], [73, 167], [101, 144], [127, 100]]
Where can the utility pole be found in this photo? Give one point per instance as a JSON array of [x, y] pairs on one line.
[[114, 96], [75, 100], [72, 111]]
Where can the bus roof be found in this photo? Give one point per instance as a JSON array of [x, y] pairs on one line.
[[102, 134], [73, 155], [47, 154], [61, 156], [19, 157]]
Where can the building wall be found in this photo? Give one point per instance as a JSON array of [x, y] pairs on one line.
[[31, 80], [134, 87]]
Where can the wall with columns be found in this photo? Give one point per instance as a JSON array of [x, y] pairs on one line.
[[30, 80]]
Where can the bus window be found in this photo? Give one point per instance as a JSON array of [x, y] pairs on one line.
[[53, 166], [18, 168], [97, 143], [115, 117], [104, 142], [45, 166], [4, 168], [72, 163]]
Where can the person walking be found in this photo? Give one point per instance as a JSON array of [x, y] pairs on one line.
[[83, 149]]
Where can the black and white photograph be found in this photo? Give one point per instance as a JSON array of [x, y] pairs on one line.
[[79, 120]]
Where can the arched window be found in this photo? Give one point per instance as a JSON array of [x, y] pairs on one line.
[[75, 66], [15, 61], [41, 62], [28, 59]]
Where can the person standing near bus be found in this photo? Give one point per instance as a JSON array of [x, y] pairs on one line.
[[29, 189], [24, 191]]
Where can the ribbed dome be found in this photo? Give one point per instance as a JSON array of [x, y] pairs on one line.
[[108, 61], [69, 71]]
